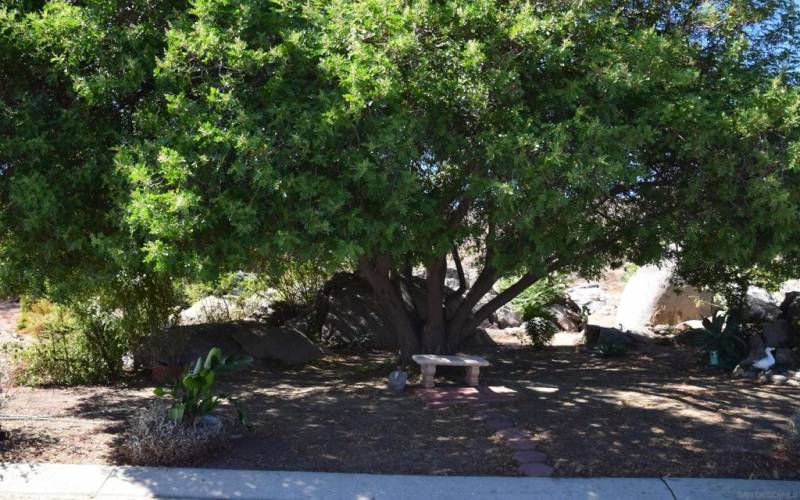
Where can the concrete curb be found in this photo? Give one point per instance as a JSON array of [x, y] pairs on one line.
[[65, 481]]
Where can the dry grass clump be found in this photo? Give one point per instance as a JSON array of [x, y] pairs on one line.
[[154, 439]]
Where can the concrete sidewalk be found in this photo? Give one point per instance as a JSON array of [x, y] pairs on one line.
[[94, 481]]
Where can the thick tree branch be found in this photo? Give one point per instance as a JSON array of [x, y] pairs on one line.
[[462, 278], [457, 215], [391, 301], [434, 331]]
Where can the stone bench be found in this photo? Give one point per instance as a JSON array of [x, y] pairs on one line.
[[429, 362]]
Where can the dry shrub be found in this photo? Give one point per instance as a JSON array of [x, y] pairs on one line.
[[154, 439]]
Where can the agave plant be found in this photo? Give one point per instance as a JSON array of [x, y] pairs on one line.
[[192, 393], [722, 333]]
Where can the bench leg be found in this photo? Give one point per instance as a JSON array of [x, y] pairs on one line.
[[428, 372], [472, 375]]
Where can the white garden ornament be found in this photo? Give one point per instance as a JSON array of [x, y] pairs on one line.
[[767, 361]]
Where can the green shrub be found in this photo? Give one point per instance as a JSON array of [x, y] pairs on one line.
[[535, 298], [85, 341], [540, 331], [72, 350], [610, 349], [34, 314], [628, 271], [540, 325], [300, 283], [193, 292], [193, 393]]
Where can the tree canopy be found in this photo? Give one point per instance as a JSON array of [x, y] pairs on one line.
[[173, 138]]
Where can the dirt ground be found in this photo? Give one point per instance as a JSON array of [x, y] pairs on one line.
[[655, 412]]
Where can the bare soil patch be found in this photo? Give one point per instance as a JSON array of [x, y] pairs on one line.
[[655, 412]]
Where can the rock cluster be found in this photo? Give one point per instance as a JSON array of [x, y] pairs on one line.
[[781, 332]]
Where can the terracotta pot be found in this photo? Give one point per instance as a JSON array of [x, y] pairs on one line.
[[163, 373]]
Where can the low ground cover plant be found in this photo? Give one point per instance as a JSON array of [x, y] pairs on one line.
[[193, 394], [180, 429]]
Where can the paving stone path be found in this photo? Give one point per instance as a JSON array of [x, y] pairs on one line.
[[530, 461]]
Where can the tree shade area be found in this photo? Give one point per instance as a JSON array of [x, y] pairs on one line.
[[143, 141]]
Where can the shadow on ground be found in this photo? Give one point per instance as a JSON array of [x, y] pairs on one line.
[[655, 412]]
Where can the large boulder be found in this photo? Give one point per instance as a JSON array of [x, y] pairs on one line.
[[650, 298], [353, 316], [478, 340], [790, 310], [784, 357], [184, 344], [505, 317], [280, 344], [777, 333], [209, 309], [594, 334], [567, 315], [760, 306], [239, 337], [213, 309]]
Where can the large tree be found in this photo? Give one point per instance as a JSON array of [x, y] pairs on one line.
[[538, 136]]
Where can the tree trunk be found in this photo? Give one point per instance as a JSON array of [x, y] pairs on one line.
[[445, 328], [457, 336], [458, 321], [390, 301], [433, 333]]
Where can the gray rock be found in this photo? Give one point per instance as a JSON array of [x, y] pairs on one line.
[[209, 425], [742, 372], [212, 309], [279, 344], [750, 374], [194, 341], [594, 334], [692, 324], [505, 317], [567, 315], [302, 323], [778, 379], [354, 318], [209, 309], [784, 357], [479, 339], [777, 333], [761, 306], [244, 337]]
